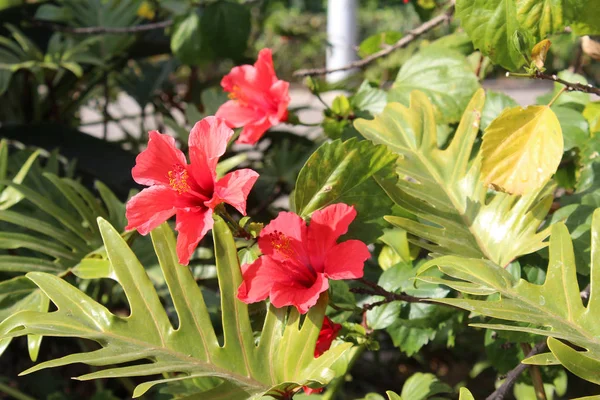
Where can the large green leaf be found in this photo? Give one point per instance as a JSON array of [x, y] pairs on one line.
[[47, 224], [443, 75], [493, 25], [226, 27], [347, 172], [442, 187], [553, 309], [282, 360]]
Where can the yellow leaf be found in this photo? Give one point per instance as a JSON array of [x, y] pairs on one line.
[[521, 149], [539, 52]]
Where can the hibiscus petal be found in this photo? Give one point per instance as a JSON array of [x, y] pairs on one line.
[[233, 189], [150, 208], [292, 294], [236, 115], [280, 93], [346, 260], [254, 131], [327, 334], [265, 72], [326, 226], [152, 165], [257, 280], [284, 238], [208, 141], [192, 225]]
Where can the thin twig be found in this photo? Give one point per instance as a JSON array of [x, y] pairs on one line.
[[99, 30], [407, 39], [388, 297], [513, 375], [578, 87]]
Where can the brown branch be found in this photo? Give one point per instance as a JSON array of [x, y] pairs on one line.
[[403, 42], [578, 87], [513, 375], [98, 30], [388, 297]]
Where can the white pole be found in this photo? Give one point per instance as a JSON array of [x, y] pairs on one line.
[[342, 34]]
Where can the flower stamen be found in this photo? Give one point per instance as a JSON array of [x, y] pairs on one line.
[[178, 177], [281, 244]]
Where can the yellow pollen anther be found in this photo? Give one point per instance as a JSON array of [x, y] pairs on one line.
[[281, 244], [178, 179]]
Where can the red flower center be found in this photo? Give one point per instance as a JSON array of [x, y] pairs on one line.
[[178, 177], [282, 245], [236, 94]]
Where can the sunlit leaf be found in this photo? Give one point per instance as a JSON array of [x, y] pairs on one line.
[[442, 187], [521, 149], [346, 172], [443, 75], [553, 309], [539, 53], [283, 359]]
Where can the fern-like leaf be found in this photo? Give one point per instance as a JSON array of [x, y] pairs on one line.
[[442, 187], [554, 309], [282, 361]]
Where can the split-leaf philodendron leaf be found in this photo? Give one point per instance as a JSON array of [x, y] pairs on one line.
[[554, 309], [283, 360], [443, 187]]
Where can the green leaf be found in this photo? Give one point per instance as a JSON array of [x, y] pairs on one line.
[[591, 112], [465, 394], [494, 24], [583, 16], [443, 75], [368, 98], [521, 149], [187, 41], [442, 188], [577, 362], [574, 127], [347, 172], [341, 106], [226, 26], [554, 309], [283, 359], [50, 230], [379, 41], [422, 386], [11, 196], [495, 103], [410, 339]]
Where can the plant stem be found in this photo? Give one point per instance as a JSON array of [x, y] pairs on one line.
[[536, 375], [561, 91], [17, 394], [238, 231]]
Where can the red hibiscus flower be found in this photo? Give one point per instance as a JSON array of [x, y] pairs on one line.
[[258, 99], [298, 261], [188, 191], [329, 331]]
